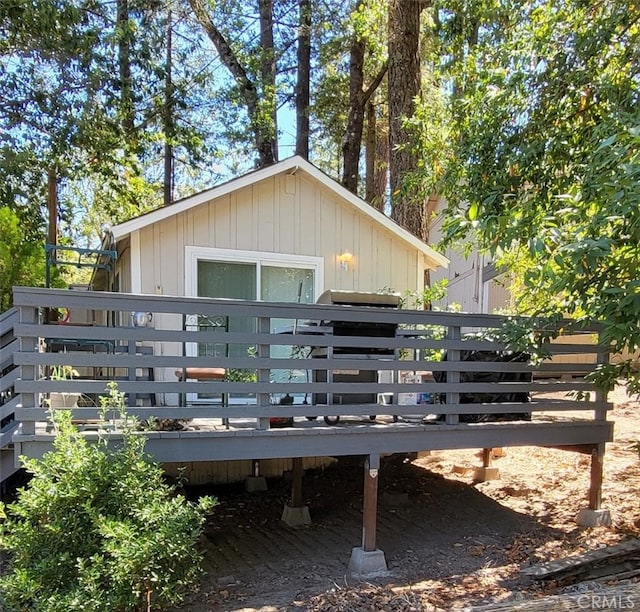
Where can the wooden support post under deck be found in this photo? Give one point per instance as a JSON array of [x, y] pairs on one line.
[[254, 482], [595, 485], [296, 513], [594, 515], [370, 502], [486, 472], [367, 560], [296, 486]]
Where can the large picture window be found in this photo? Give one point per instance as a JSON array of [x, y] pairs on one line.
[[249, 275], [252, 275]]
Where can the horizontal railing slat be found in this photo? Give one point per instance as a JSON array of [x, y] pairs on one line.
[[139, 334], [6, 354], [216, 411], [121, 335], [7, 433], [337, 388], [8, 380], [125, 302], [371, 362], [8, 408]]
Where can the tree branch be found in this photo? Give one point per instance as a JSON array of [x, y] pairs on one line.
[[227, 56], [368, 92]]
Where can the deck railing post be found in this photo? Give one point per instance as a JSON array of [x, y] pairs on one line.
[[602, 357], [329, 375], [264, 350], [453, 355], [131, 350], [28, 315]]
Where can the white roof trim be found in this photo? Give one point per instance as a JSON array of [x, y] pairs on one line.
[[289, 164]]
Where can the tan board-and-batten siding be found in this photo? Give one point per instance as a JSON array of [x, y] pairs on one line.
[[293, 215]]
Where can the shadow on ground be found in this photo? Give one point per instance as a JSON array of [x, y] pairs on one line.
[[429, 527]]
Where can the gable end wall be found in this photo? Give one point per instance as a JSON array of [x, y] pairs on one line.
[[286, 213]]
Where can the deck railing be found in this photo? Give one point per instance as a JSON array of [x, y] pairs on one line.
[[289, 360], [8, 399]]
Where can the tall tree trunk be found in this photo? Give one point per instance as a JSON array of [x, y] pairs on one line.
[[407, 208], [303, 79], [167, 118], [264, 132], [268, 76], [377, 159], [353, 137], [123, 36], [358, 98], [370, 155]]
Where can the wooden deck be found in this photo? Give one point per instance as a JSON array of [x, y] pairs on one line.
[[398, 381], [210, 440], [299, 360]]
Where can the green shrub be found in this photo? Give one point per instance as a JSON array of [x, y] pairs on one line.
[[97, 528]]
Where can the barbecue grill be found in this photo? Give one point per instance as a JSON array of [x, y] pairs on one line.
[[355, 329]]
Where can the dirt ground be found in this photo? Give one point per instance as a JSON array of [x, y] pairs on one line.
[[449, 542]]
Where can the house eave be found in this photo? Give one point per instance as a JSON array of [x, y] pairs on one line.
[[433, 259]]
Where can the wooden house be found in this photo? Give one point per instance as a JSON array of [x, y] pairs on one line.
[[235, 281], [270, 230]]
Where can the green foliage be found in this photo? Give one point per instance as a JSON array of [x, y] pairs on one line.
[[423, 300], [546, 157], [243, 374], [529, 335], [63, 372], [68, 104], [97, 529], [420, 299], [338, 25], [21, 260]]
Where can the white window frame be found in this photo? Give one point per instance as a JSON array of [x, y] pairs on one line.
[[194, 254]]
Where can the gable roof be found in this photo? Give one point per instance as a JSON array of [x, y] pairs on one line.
[[291, 164]]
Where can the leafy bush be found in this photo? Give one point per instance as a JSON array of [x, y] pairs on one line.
[[97, 528], [21, 257]]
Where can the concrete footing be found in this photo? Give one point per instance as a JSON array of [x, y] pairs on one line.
[[296, 516], [482, 474], [593, 518], [367, 563], [254, 484]]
